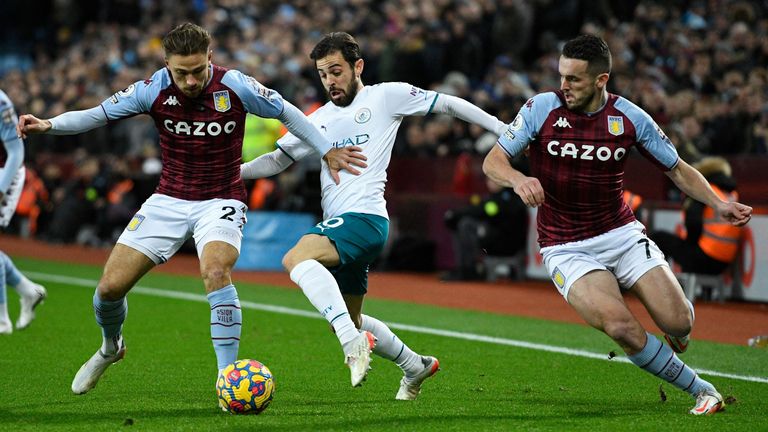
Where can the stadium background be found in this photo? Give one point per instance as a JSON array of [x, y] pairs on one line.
[[699, 68]]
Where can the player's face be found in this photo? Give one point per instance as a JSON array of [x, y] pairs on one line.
[[582, 91], [340, 80], [190, 72]]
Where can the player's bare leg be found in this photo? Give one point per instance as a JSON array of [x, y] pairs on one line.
[[125, 266], [662, 295]]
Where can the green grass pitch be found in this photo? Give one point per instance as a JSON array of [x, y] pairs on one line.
[[166, 381]]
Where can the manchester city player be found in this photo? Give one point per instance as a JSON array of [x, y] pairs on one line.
[[330, 263]]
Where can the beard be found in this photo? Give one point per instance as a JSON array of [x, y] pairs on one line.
[[349, 95], [580, 104]]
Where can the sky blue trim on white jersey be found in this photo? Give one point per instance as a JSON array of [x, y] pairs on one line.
[[525, 127], [649, 134], [136, 98], [257, 99]]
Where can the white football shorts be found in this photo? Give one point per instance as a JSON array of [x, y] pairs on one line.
[[12, 195], [164, 223], [625, 251]]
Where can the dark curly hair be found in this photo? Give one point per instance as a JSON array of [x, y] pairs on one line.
[[591, 48], [337, 42]]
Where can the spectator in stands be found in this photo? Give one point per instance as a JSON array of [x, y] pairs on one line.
[[708, 245], [33, 198], [75, 203], [635, 203], [495, 225]]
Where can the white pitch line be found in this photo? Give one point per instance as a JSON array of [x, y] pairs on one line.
[[90, 283]]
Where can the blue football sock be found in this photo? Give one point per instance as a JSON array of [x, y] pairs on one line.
[[110, 315], [226, 324], [658, 359]]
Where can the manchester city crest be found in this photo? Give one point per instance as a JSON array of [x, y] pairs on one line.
[[363, 115], [616, 125], [221, 101]]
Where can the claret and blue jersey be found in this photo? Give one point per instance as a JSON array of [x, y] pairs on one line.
[[579, 160], [201, 138]]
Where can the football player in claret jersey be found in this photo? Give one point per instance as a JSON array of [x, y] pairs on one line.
[[12, 174], [330, 263], [578, 139], [199, 110]]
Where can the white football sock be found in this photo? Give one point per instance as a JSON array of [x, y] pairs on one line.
[[322, 290], [389, 346]]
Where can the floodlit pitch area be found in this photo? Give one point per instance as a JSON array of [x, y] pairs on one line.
[[499, 372]]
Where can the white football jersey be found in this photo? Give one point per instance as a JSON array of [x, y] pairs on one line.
[[371, 122]]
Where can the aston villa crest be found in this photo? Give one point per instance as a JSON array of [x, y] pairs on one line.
[[221, 101], [616, 125]]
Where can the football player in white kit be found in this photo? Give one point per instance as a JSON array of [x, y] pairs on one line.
[[330, 263], [12, 175]]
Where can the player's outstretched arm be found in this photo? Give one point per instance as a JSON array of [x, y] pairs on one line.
[[499, 169], [470, 113], [69, 123], [693, 184]]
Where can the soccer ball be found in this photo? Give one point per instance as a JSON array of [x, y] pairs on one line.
[[245, 387]]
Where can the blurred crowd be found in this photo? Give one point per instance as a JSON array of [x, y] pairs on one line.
[[700, 68]]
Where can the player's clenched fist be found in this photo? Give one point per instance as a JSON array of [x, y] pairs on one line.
[[530, 191], [29, 124]]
